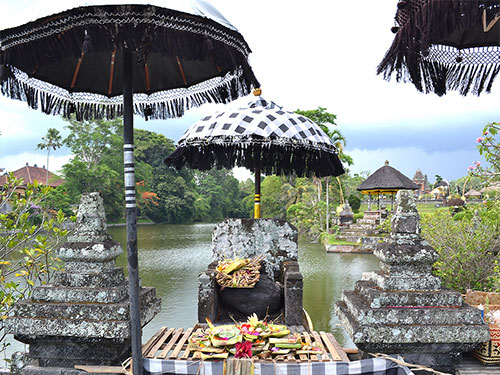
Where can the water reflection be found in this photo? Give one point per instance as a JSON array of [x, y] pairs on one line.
[[172, 256]]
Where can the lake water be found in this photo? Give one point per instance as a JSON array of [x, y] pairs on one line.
[[172, 256]]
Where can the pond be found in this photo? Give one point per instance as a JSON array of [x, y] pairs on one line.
[[172, 256]]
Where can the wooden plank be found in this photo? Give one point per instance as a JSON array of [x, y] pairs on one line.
[[171, 343], [102, 369], [324, 357], [303, 357], [338, 348], [159, 343], [186, 353], [334, 347], [181, 343], [152, 341]]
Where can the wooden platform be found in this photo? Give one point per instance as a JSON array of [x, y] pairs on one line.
[[171, 343]]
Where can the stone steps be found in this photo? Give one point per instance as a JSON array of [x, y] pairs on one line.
[[376, 298], [414, 335], [410, 316], [51, 293], [93, 311]]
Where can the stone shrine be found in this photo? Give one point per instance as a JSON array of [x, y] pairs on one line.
[[279, 289], [402, 308], [83, 316]]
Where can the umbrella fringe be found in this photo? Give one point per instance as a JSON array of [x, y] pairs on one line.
[[278, 159], [162, 105], [423, 21]]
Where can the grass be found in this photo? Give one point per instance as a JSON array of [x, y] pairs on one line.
[[423, 208], [333, 241]]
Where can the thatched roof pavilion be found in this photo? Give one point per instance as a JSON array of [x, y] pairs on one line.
[[386, 180]]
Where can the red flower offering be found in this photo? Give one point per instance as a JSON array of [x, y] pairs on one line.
[[243, 349]]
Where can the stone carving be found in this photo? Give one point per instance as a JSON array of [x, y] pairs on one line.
[[83, 317], [280, 288], [402, 308]]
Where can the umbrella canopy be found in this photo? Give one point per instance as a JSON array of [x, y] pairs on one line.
[[72, 62], [261, 135], [386, 180], [445, 45], [105, 61]]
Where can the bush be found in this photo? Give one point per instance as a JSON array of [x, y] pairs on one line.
[[354, 202], [466, 247]]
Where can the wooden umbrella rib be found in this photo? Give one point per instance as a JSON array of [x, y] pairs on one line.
[[146, 72], [111, 72], [77, 69], [181, 70]]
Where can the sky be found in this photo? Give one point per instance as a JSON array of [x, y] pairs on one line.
[[305, 55]]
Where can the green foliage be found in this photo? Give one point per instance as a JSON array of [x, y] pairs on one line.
[[97, 163], [309, 219], [354, 202], [489, 147], [467, 247], [29, 233]]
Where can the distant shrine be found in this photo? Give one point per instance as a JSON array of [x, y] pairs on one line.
[[421, 180]]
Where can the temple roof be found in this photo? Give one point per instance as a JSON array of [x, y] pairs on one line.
[[387, 179]]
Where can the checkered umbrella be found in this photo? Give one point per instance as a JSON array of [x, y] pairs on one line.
[[262, 137]]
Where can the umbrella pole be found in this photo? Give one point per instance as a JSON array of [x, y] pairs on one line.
[[131, 213], [256, 206]]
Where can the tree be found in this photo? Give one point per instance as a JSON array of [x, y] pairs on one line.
[[51, 141], [326, 121], [97, 163]]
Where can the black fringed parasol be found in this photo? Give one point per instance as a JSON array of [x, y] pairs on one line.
[[72, 62], [443, 45], [107, 61], [261, 137]]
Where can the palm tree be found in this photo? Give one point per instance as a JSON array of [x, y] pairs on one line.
[[52, 140]]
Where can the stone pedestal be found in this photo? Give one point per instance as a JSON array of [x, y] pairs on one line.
[[83, 316], [279, 289], [402, 309], [346, 216]]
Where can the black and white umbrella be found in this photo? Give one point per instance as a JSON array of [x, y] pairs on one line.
[[261, 137]]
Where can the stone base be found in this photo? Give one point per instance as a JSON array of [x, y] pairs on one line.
[[67, 351], [414, 325]]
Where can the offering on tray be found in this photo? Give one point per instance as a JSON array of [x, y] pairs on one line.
[[251, 338], [224, 335], [238, 273]]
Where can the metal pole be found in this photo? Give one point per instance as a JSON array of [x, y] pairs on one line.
[[256, 206], [131, 213]]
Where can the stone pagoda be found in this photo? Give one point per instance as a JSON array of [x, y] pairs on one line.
[[83, 316], [402, 308]]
